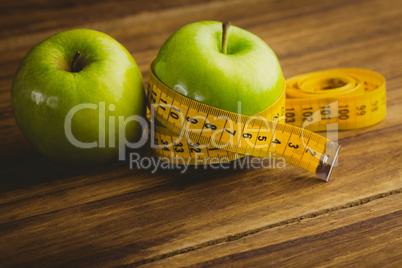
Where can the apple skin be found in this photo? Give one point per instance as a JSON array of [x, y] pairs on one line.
[[44, 91], [191, 62]]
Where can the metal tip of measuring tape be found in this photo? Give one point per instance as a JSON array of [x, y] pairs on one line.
[[328, 161]]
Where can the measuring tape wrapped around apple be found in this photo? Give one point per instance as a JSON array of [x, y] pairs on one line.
[[191, 129]]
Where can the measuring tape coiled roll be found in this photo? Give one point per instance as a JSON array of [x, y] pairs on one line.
[[351, 98], [190, 132]]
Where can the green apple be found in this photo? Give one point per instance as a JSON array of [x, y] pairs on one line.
[[72, 95], [221, 66]]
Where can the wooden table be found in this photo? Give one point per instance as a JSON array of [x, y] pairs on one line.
[[52, 216]]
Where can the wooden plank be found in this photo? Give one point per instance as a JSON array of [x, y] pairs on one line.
[[27, 17], [365, 235], [181, 213], [99, 15]]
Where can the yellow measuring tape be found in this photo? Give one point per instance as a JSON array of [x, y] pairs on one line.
[[353, 98], [196, 133]]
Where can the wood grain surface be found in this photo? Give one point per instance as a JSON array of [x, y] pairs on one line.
[[117, 216]]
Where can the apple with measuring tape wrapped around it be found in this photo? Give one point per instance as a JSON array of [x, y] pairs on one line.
[[220, 66]]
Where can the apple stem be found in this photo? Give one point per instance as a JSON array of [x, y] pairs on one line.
[[225, 29], [74, 62]]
